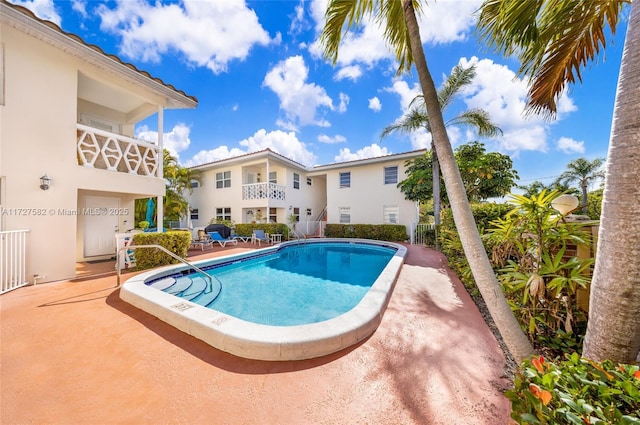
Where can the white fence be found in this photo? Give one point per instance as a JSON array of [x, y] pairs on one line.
[[424, 234], [13, 255], [309, 229]]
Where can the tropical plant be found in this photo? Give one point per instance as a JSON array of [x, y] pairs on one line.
[[541, 282], [575, 391], [484, 175], [594, 204], [554, 41], [584, 172], [402, 33], [418, 118], [178, 181]]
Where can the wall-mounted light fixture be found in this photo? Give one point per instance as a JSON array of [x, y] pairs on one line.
[[290, 207], [45, 182], [249, 212]]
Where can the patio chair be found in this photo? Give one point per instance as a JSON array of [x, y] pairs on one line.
[[202, 243], [217, 237], [260, 236]]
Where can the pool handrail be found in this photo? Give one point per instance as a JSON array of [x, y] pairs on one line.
[[177, 257]]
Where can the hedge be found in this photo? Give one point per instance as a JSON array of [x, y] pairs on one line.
[[382, 232], [177, 241]]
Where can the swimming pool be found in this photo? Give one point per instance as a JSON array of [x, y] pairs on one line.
[[248, 329]]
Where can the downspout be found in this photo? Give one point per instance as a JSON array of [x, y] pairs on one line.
[[160, 199]]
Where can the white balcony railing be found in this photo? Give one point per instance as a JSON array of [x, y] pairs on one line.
[[114, 152], [263, 191], [13, 259]]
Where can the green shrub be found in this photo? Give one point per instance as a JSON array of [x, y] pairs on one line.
[[175, 241], [575, 391], [381, 232], [451, 246]]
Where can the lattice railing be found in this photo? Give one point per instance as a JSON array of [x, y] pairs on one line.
[[114, 152], [263, 191]]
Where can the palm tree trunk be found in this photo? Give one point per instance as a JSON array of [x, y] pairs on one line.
[[585, 198], [485, 278], [613, 330], [435, 166]]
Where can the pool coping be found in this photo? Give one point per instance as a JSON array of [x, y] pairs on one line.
[[264, 342]]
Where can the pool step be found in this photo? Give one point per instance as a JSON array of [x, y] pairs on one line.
[[195, 288]]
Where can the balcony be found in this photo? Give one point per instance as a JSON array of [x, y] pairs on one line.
[[263, 191], [114, 152]]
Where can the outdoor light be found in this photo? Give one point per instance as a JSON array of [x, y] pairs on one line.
[[45, 182], [564, 204]]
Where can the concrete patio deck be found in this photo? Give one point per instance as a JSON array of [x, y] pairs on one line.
[[73, 353]]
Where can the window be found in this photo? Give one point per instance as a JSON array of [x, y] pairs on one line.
[[390, 214], [391, 175], [223, 214], [345, 215], [308, 181], [195, 184], [296, 213], [308, 211], [273, 215], [223, 179], [273, 177], [194, 213], [296, 181], [345, 179]]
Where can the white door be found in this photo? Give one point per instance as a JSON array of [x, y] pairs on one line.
[[100, 225]]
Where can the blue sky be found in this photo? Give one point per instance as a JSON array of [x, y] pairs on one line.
[[261, 81]]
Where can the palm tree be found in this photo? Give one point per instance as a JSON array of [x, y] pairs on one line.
[[403, 35], [554, 41], [584, 172], [418, 118], [178, 180]]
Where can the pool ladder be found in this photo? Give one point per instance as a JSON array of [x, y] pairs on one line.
[[166, 251]]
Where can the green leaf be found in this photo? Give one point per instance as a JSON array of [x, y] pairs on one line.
[[573, 418]]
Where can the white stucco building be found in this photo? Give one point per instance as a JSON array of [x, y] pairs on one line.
[[68, 111], [268, 187]]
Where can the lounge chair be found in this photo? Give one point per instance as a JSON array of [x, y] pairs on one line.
[[217, 237], [260, 236]]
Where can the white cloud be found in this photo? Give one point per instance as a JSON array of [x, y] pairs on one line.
[[498, 90], [371, 151], [406, 93], [446, 21], [299, 100], [344, 101], [352, 72], [43, 9], [375, 104], [217, 154], [569, 145], [323, 138], [207, 33], [80, 6], [441, 22], [298, 23], [286, 144], [175, 141]]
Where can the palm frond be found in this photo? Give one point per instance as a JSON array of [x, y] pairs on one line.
[[478, 119], [342, 15], [459, 77], [553, 39], [412, 121]]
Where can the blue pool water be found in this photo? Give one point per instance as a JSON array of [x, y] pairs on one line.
[[296, 285]]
